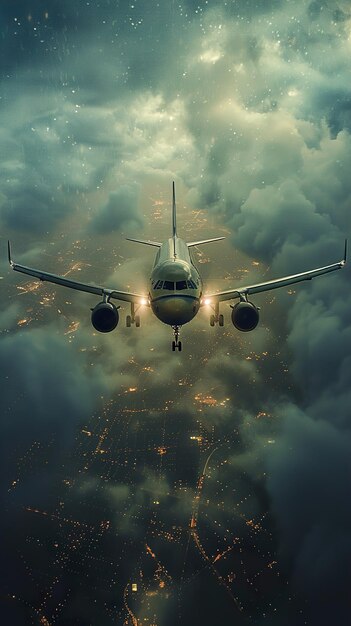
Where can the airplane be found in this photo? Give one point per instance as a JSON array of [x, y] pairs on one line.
[[175, 293]]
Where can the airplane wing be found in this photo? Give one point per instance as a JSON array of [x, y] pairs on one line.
[[232, 294], [73, 284]]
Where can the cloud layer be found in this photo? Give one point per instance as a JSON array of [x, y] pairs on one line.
[[247, 106]]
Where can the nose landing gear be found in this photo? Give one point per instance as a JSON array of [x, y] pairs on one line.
[[176, 343]]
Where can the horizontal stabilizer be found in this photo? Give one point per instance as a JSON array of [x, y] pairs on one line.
[[198, 243], [155, 244]]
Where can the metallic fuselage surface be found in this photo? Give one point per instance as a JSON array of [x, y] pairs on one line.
[[175, 285]]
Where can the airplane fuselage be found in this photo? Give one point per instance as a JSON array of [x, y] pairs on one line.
[[175, 284]]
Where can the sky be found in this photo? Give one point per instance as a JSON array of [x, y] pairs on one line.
[[246, 105]]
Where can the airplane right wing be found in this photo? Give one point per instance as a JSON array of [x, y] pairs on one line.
[[242, 292], [72, 284]]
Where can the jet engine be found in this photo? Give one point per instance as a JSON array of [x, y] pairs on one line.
[[245, 316], [104, 317]]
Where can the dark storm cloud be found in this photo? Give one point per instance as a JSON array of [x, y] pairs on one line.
[[32, 208], [61, 138], [309, 472], [40, 404], [44, 165], [248, 105], [48, 386], [250, 130], [120, 211]]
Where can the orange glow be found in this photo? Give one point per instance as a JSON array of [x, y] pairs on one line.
[[150, 552], [72, 328], [207, 400], [197, 438]]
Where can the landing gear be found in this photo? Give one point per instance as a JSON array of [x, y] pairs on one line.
[[176, 343], [216, 317], [132, 318]]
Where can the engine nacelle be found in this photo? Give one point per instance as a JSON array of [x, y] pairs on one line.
[[245, 316], [104, 317]]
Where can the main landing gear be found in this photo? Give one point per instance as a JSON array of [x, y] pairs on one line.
[[132, 318], [176, 343], [216, 317], [219, 320]]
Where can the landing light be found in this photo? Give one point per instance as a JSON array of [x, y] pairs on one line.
[[143, 301], [207, 301]]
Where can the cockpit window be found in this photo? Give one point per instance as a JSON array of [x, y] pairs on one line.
[[191, 284], [168, 285], [158, 284], [181, 284]]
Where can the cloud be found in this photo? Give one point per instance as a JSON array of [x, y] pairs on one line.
[[119, 212], [308, 484], [248, 108], [32, 374]]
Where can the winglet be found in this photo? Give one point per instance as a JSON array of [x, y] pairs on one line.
[[174, 218], [9, 253], [345, 252]]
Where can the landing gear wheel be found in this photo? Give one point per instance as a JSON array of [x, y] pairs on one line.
[[221, 320], [137, 321], [212, 320], [128, 321], [176, 344]]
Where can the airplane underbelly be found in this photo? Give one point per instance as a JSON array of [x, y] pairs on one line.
[[175, 310]]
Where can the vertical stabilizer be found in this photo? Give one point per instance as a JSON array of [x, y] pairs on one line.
[[174, 216]]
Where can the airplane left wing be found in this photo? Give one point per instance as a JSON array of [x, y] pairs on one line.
[[242, 292], [72, 284]]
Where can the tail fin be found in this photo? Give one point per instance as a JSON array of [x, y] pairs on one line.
[[174, 214]]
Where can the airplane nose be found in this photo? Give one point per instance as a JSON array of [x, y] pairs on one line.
[[175, 310]]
